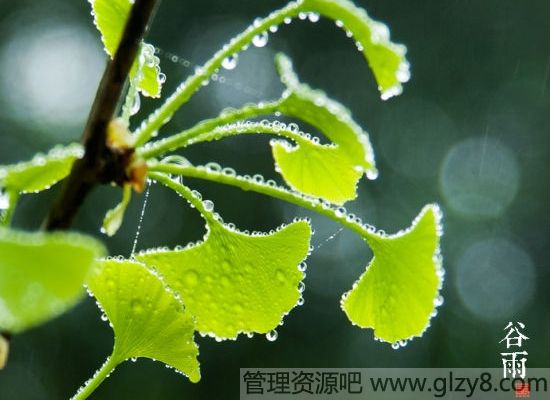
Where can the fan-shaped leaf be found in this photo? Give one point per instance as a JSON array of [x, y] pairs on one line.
[[317, 170], [114, 217], [332, 171], [43, 171], [386, 59], [110, 18], [233, 282], [148, 320], [41, 275], [397, 294]]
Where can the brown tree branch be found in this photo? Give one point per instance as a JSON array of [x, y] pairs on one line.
[[101, 164]]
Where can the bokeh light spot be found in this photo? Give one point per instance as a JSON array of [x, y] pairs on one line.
[[49, 74], [495, 279], [479, 177]]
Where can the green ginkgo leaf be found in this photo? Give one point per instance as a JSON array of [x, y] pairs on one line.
[[110, 18], [114, 217], [317, 170], [146, 73], [398, 293], [147, 318], [327, 171], [42, 275], [233, 282], [372, 38], [40, 173]]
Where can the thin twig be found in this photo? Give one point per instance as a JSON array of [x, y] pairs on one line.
[[101, 164]]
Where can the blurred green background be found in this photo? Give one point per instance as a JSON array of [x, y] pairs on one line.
[[470, 131]]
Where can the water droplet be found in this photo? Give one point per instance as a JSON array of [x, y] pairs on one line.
[[301, 301], [4, 200], [272, 336], [191, 278], [225, 281], [293, 127], [301, 287], [340, 212], [229, 171], [260, 40], [302, 266], [136, 105], [104, 317], [230, 62], [279, 274], [137, 307], [161, 78], [395, 345], [438, 301], [287, 20], [208, 205], [313, 17]]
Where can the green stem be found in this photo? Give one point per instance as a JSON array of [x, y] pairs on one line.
[[182, 94], [106, 369], [249, 128], [337, 214], [186, 137]]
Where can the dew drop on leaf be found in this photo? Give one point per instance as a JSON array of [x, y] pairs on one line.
[[302, 266], [313, 17], [260, 40], [272, 336], [191, 278], [4, 200], [135, 105], [208, 205], [230, 62]]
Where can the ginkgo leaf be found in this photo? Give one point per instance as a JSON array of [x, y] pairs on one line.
[[42, 275], [327, 171], [233, 282], [146, 74], [385, 58], [148, 320], [317, 170], [110, 18], [40, 173], [114, 217], [397, 294]]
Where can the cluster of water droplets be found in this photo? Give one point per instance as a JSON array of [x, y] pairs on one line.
[[85, 384], [141, 215], [149, 59], [290, 130]]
